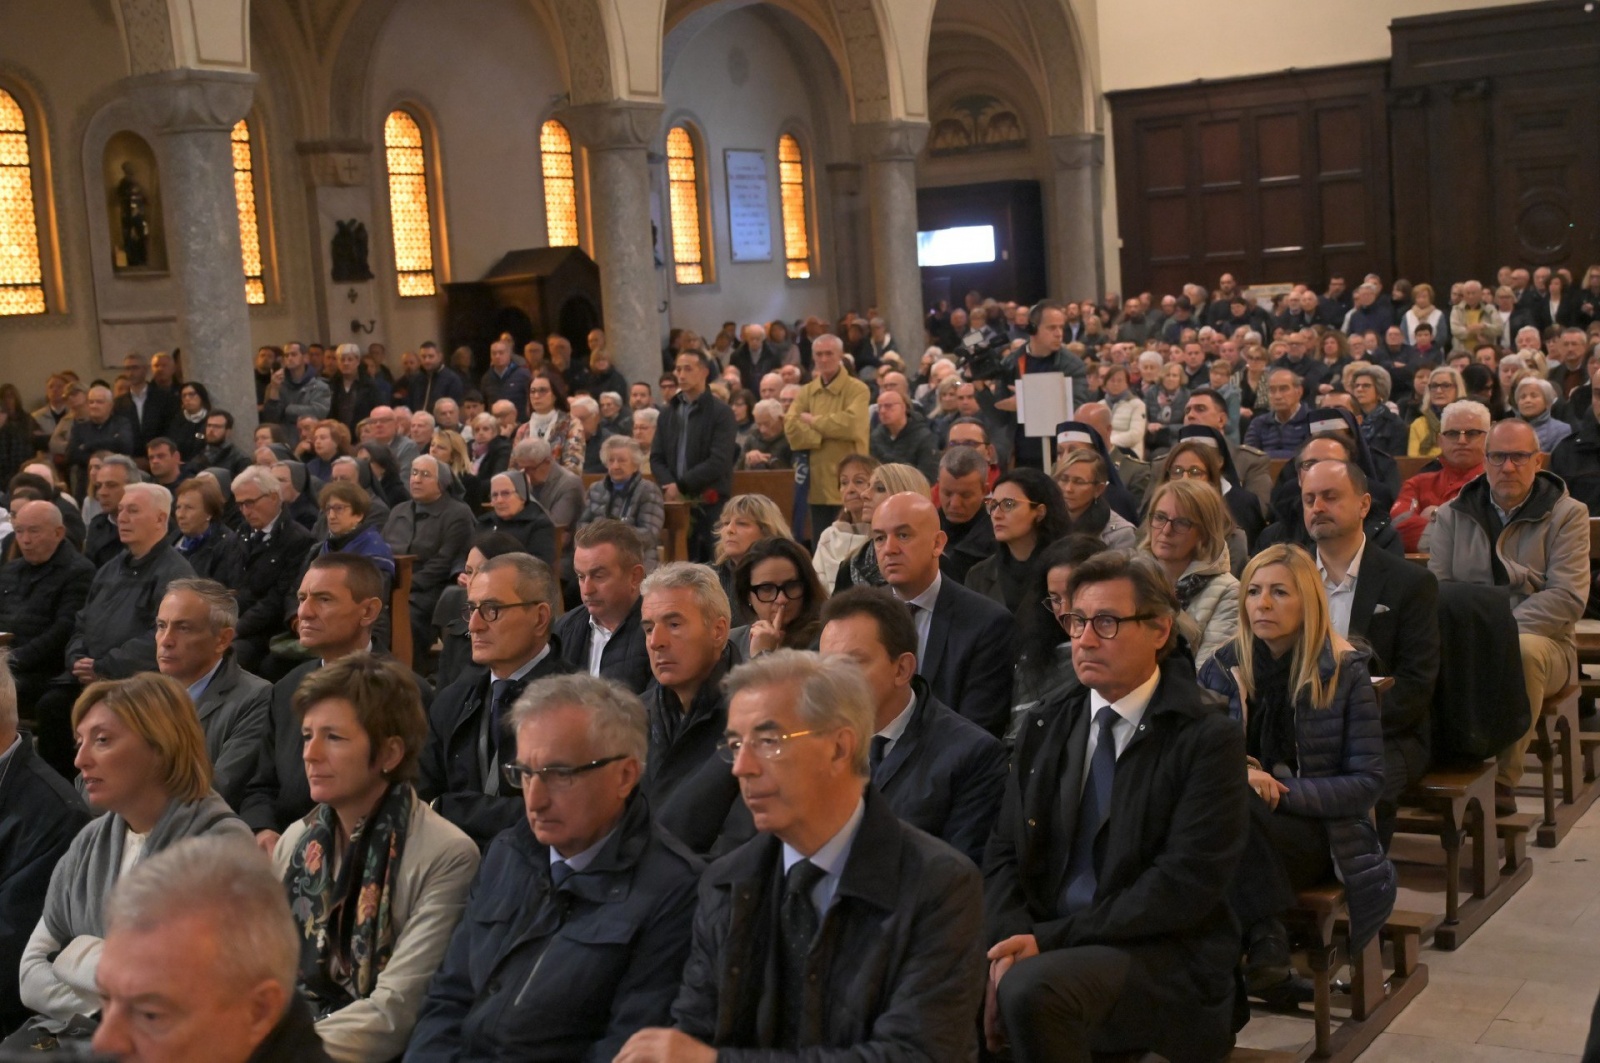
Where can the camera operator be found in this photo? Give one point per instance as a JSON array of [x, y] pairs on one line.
[[1042, 353]]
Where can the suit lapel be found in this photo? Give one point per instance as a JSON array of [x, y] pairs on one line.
[[906, 746], [1369, 587], [938, 629], [1067, 773]]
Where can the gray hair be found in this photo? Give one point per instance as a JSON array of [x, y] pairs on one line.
[[534, 582], [1152, 358], [617, 722], [1546, 388], [125, 463], [344, 459], [648, 415], [964, 461], [8, 694], [700, 579], [612, 395], [222, 608], [628, 443], [484, 420], [1379, 377], [424, 417], [531, 451], [347, 348], [1470, 410], [831, 693], [828, 339], [229, 882], [158, 496], [585, 405], [262, 479], [768, 408]]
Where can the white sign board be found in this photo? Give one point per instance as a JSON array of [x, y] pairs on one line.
[[749, 209], [1044, 400]]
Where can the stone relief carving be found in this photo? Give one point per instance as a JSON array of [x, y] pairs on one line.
[[864, 48], [146, 26], [588, 56], [349, 252]]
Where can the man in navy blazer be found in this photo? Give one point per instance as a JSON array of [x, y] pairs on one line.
[[966, 644], [940, 772], [609, 563]]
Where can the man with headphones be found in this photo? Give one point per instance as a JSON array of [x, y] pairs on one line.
[[1042, 353]]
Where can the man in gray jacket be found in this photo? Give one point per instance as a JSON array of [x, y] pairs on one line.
[[1517, 527], [194, 639], [296, 390]]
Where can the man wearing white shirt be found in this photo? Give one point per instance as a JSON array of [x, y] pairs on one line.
[[837, 929], [606, 637]]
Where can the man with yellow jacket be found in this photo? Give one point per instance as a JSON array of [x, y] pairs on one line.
[[828, 421]]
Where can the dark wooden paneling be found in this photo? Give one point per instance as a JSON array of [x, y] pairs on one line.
[[1015, 209], [1277, 178]]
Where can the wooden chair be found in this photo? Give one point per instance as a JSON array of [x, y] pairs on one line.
[[675, 533], [1557, 737], [400, 610]]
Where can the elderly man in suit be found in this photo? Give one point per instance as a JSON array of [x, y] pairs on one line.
[[1390, 603], [194, 635], [966, 644], [41, 591], [838, 931], [1124, 820], [275, 546], [606, 637], [939, 771]]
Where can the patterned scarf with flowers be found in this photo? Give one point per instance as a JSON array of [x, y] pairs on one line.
[[346, 920]]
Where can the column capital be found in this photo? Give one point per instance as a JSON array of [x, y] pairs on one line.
[[335, 163], [889, 141], [1077, 151], [192, 101], [617, 124]]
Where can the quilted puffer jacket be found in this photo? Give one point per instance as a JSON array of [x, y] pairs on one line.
[[1340, 754]]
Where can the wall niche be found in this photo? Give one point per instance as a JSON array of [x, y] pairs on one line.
[[132, 183]]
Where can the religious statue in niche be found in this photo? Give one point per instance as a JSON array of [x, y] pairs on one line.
[[974, 124], [350, 252], [133, 208]]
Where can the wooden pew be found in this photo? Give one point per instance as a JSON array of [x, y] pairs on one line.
[[1557, 737], [675, 533], [400, 610]]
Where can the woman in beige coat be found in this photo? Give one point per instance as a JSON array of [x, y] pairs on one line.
[[1186, 531]]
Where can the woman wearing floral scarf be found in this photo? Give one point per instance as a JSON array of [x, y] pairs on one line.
[[376, 880]]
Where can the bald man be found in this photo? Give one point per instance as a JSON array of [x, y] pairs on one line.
[[965, 642], [41, 592]]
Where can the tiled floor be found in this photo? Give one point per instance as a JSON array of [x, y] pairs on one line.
[[1520, 991]]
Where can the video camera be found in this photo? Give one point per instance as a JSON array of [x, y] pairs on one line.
[[982, 355]]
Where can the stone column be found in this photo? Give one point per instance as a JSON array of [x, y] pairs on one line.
[[1077, 232], [194, 112], [847, 214], [339, 188], [889, 150], [616, 137]]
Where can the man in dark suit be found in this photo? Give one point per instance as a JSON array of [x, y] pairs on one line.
[[433, 380], [694, 449], [41, 591], [966, 644], [1123, 822], [940, 772], [838, 931], [1390, 603], [969, 534], [605, 638], [508, 621], [149, 408], [274, 549], [755, 357]]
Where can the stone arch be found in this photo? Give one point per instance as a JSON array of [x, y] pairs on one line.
[[1036, 40]]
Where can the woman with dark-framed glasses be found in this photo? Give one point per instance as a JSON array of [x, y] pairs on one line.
[[377, 880], [1186, 532], [1028, 514], [778, 583], [1444, 387], [1083, 477]]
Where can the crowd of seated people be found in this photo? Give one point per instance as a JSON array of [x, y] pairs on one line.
[[585, 790]]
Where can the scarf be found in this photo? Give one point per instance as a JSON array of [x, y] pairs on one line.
[[619, 496], [1269, 733], [188, 544], [540, 425], [1430, 415], [346, 922], [1191, 584], [864, 570], [1016, 576], [1094, 519]]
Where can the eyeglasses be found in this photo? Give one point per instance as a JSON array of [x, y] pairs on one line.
[[1054, 602], [1195, 472], [490, 611], [1007, 505], [337, 507], [768, 592], [1179, 524], [1076, 481], [1462, 435], [1440, 385], [765, 746], [1105, 625], [557, 777], [246, 503], [539, 391], [1518, 458]]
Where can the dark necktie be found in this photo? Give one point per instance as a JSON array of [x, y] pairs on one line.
[[560, 871], [798, 922], [1093, 809], [880, 744], [503, 692]]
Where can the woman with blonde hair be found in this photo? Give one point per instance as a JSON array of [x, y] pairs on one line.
[[450, 448], [1083, 478], [1421, 312], [893, 479], [1314, 741], [1200, 457], [1186, 531], [142, 758], [745, 521], [1444, 387], [840, 540]]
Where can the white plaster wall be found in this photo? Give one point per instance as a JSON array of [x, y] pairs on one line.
[[487, 77], [771, 99]]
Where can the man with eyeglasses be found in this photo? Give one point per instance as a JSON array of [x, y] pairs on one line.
[[1122, 826], [508, 623], [437, 530], [838, 932], [1286, 424], [585, 887], [939, 772], [1206, 406], [1463, 435], [274, 549], [1516, 527]]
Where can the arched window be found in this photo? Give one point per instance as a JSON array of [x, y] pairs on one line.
[[683, 187], [409, 217], [792, 187], [244, 194], [21, 273], [560, 184]]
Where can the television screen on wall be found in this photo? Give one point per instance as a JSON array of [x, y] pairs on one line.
[[956, 247]]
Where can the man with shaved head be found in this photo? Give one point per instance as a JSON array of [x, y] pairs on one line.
[[40, 593], [965, 642]]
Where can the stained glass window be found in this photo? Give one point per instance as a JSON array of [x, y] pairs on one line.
[[21, 275], [683, 186], [792, 186], [560, 184], [409, 216], [244, 194]]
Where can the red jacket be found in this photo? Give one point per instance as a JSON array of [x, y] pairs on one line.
[[1423, 490]]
